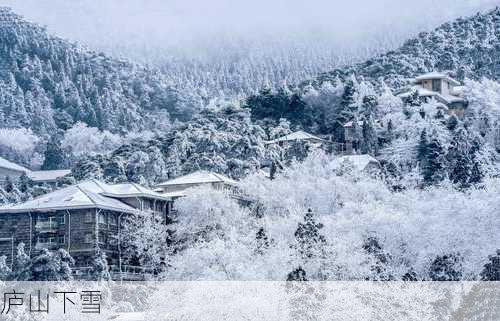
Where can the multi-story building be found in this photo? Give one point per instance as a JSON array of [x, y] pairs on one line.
[[440, 87], [79, 218]]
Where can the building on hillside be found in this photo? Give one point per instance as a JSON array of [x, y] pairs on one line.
[[199, 178], [361, 163], [442, 88], [300, 136], [11, 170], [350, 137], [80, 218], [14, 171]]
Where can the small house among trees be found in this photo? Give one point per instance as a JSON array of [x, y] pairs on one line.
[[300, 136], [10, 170], [199, 178], [440, 87], [13, 171]]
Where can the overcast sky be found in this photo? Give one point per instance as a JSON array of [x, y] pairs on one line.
[[148, 25]]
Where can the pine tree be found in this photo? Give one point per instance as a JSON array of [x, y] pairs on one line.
[[370, 140], [491, 270], [464, 169], [369, 105], [414, 100], [262, 241], [446, 268], [51, 266], [5, 270], [100, 270], [22, 265], [55, 157], [309, 241], [24, 183], [433, 169], [452, 122], [65, 263], [380, 259], [299, 274]]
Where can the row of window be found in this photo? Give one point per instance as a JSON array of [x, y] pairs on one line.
[[88, 239], [102, 218], [52, 240], [60, 219]]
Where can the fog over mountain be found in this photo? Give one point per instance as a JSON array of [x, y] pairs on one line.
[[158, 31]]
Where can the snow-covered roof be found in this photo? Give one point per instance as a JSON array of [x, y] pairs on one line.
[[437, 75], [12, 166], [47, 176], [360, 162], [423, 92], [298, 135], [132, 190], [198, 177], [88, 194]]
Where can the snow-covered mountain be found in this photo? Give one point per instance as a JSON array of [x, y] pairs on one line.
[[467, 47], [47, 83]]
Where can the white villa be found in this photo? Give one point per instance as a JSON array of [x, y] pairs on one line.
[[13, 171], [199, 178], [441, 87]]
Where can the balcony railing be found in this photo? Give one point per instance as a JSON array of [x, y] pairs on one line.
[[47, 245], [127, 273], [47, 226]]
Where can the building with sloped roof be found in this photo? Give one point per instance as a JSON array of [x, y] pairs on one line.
[[440, 87], [300, 136], [14, 171], [79, 219], [361, 163], [11, 170], [178, 186], [48, 176]]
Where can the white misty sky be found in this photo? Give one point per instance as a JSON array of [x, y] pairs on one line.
[[146, 26]]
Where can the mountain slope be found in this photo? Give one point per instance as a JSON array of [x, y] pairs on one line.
[[468, 47], [47, 83]]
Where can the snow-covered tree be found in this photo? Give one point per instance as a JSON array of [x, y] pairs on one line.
[[51, 266], [5, 270], [99, 270], [22, 265]]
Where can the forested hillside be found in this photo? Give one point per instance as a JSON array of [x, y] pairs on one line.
[[47, 84], [467, 48]]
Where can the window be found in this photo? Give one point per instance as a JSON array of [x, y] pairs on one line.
[[102, 238], [60, 219], [88, 238], [61, 239], [436, 85], [102, 218], [88, 217], [43, 239], [113, 219]]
